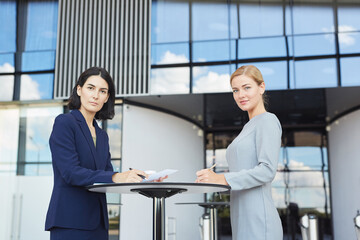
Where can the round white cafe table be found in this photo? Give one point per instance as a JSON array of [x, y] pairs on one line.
[[158, 192]]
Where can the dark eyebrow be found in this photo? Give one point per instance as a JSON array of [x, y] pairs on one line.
[[92, 85]]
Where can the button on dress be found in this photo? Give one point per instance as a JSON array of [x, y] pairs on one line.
[[252, 158]]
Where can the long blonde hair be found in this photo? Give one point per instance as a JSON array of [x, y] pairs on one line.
[[252, 72]]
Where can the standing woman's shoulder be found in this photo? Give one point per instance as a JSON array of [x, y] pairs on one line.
[[64, 120], [270, 120]]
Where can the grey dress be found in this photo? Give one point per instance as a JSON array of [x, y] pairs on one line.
[[252, 159]]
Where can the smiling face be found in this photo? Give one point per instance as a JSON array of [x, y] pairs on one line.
[[93, 95], [247, 94]]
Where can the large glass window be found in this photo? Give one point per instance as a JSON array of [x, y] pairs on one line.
[[315, 73], [9, 135], [350, 71], [170, 80], [261, 19], [210, 20], [212, 78], [36, 86], [169, 21], [34, 157]]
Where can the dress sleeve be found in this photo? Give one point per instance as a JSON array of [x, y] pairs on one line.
[[66, 159], [267, 148]]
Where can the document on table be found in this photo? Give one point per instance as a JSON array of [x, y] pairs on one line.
[[157, 175]]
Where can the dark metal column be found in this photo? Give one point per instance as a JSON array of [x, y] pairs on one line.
[[159, 218]]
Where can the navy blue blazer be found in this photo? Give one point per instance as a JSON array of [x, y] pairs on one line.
[[78, 163]]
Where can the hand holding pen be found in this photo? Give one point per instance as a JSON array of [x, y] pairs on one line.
[[208, 176], [132, 176]]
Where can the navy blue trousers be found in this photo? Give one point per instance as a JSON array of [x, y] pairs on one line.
[[99, 233]]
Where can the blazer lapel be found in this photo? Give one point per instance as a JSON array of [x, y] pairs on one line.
[[86, 131]]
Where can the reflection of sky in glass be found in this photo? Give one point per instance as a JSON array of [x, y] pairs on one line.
[[170, 80], [350, 71], [7, 87], [7, 63], [39, 122], [349, 42], [170, 53], [36, 86], [169, 21], [304, 158], [41, 26], [274, 74], [315, 73], [9, 132], [262, 47], [313, 45], [349, 17], [261, 19], [212, 78], [41, 60], [114, 127], [310, 19], [208, 51], [210, 21], [8, 26]]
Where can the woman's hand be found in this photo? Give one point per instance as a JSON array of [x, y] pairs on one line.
[[208, 176], [161, 179], [131, 176]]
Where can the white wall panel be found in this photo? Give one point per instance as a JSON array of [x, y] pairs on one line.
[[344, 155], [154, 141]]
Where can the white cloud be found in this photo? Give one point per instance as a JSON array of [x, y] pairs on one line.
[[170, 57], [212, 82], [266, 71], [345, 34], [7, 83], [29, 89], [170, 80]]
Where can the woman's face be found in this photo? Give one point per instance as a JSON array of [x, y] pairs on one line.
[[247, 93], [93, 94]]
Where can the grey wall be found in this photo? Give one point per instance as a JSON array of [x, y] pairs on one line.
[[344, 156]]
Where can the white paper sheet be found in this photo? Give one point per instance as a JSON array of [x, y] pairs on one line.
[[157, 175]]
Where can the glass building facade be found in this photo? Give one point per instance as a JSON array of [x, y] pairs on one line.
[[195, 46]]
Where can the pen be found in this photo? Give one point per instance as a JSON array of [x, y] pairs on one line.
[[142, 176], [212, 166]]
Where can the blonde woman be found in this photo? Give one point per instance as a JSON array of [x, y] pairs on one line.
[[252, 158]]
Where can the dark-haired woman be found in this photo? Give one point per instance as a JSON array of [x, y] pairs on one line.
[[81, 157]]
